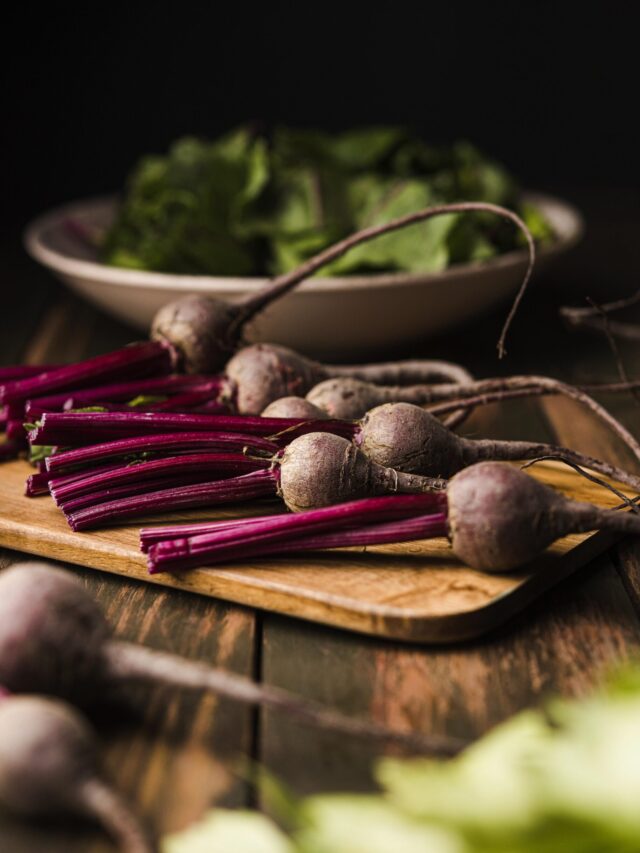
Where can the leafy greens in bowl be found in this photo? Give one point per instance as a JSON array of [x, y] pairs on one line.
[[245, 205]]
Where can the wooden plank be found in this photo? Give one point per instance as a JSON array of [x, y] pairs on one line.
[[414, 591], [173, 755]]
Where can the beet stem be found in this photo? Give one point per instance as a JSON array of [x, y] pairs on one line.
[[165, 445], [111, 811], [283, 283], [138, 359], [73, 428], [351, 513], [208, 465], [132, 663], [174, 555], [251, 486]]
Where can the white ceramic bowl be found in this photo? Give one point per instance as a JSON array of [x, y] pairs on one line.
[[331, 317]]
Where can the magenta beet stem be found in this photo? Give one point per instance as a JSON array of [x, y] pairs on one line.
[[150, 535], [179, 554], [138, 360], [121, 392], [354, 513], [257, 484], [37, 484], [73, 428], [161, 445], [117, 493], [9, 450], [16, 431], [22, 371], [208, 465]]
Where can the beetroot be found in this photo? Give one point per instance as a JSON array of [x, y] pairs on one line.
[[315, 470], [55, 640], [49, 766], [350, 398], [408, 438], [293, 407]]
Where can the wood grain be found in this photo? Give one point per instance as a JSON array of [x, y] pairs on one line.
[[413, 591]]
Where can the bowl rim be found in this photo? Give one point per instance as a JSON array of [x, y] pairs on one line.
[[566, 219]]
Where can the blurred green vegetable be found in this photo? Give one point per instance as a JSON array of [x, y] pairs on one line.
[[566, 779], [245, 205]]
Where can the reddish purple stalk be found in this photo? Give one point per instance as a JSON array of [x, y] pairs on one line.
[[22, 371], [207, 465], [256, 484], [122, 392], [160, 445], [138, 360], [9, 450], [151, 535], [369, 522], [15, 431], [75, 428], [116, 494]]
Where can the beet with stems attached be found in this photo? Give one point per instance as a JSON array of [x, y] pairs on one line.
[[49, 767], [315, 470], [496, 517], [206, 331], [55, 640]]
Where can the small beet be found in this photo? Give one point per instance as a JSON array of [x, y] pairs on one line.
[[410, 439], [316, 469], [293, 407], [501, 518], [49, 766], [321, 469]]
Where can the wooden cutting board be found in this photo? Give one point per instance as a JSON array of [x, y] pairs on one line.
[[415, 591]]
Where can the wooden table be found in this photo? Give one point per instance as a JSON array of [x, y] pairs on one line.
[[176, 755]]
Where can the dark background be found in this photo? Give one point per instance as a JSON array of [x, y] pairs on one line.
[[551, 89]]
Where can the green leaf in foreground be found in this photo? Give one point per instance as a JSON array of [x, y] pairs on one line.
[[224, 831], [248, 205]]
